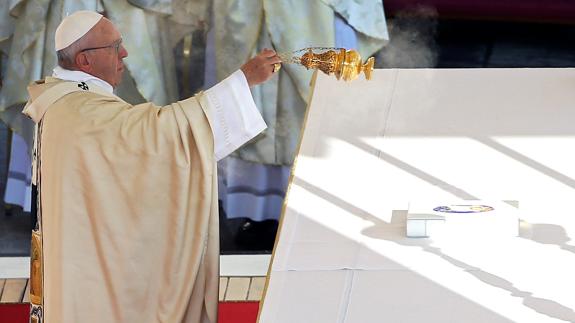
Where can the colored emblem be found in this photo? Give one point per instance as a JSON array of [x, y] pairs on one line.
[[83, 86], [463, 208]]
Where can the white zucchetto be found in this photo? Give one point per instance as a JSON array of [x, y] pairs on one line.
[[74, 26]]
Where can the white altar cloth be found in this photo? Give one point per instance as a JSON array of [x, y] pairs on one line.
[[369, 147]]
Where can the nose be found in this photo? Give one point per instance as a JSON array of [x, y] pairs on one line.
[[123, 52]]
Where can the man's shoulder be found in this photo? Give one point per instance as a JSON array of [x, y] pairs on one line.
[[51, 86], [55, 94], [46, 94]]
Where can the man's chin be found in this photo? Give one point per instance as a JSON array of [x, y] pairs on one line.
[[119, 77]]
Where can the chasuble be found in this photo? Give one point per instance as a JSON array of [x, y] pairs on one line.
[[127, 208]]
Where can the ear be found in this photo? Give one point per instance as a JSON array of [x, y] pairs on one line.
[[83, 62]]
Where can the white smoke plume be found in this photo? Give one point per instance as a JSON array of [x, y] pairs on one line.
[[412, 40]]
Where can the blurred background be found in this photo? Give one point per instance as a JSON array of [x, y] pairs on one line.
[[179, 47]]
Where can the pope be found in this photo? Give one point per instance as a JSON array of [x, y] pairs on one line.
[[127, 206]]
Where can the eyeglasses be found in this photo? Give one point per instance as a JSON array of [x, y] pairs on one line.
[[115, 45]]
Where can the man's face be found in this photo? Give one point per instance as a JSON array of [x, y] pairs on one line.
[[103, 53]]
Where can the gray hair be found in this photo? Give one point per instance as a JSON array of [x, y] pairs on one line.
[[67, 56]]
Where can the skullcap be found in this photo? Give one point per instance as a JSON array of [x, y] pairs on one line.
[[74, 26]]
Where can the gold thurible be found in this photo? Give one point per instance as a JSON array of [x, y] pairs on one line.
[[345, 64]]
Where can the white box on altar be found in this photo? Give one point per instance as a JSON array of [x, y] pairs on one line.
[[462, 218]]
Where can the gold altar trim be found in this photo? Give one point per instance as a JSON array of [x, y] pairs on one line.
[[284, 205]]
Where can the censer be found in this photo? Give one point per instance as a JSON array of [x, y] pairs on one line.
[[345, 64]]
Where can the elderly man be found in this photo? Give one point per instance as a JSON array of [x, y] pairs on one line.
[[127, 207]]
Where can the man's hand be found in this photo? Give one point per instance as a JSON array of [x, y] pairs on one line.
[[260, 68]]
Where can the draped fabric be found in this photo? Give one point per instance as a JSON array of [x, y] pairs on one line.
[[251, 190], [367, 18], [18, 183], [154, 30], [185, 12]]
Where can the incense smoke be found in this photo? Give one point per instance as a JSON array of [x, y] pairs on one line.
[[412, 40]]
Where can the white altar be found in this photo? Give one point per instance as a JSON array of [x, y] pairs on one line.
[[370, 147]]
